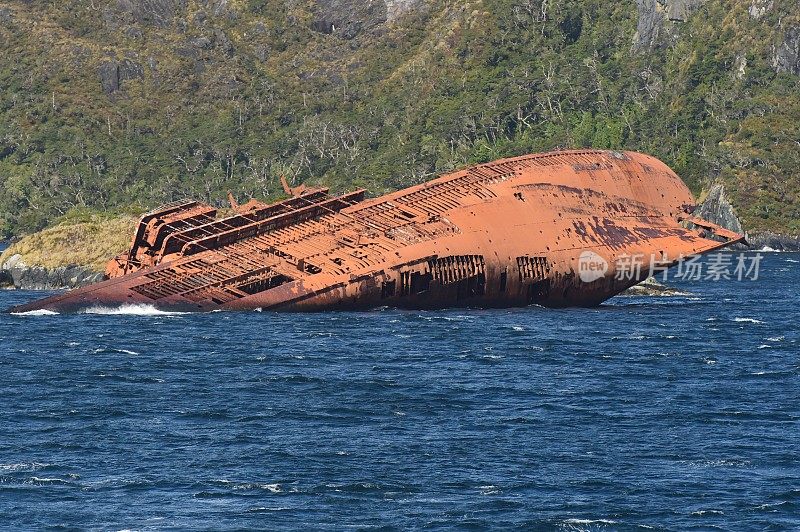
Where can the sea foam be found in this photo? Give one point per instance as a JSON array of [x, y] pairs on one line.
[[39, 312], [130, 310], [747, 320]]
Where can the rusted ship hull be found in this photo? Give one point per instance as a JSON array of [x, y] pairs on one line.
[[514, 232]]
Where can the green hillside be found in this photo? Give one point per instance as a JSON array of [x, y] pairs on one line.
[[119, 105]]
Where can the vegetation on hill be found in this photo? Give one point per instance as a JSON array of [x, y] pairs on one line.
[[89, 241], [115, 104]]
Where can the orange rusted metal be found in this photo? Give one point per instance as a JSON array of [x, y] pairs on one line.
[[507, 233]]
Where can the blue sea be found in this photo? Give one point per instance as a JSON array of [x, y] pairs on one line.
[[675, 413]]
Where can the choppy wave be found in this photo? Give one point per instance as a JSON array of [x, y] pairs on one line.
[[577, 521], [139, 309], [39, 312], [747, 320], [23, 466], [700, 513]]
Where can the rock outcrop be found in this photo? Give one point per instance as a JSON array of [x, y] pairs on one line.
[[651, 287], [158, 13], [113, 73], [787, 54], [758, 8], [717, 209], [5, 15], [14, 273], [774, 241], [347, 18], [656, 19]]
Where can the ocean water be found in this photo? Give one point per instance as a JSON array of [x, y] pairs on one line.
[[673, 413]]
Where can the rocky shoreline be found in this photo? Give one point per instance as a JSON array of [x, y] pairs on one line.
[[773, 241], [15, 274]]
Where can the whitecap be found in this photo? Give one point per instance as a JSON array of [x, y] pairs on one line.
[[517, 328], [793, 261], [237, 486], [576, 521], [708, 512], [39, 312], [768, 505], [747, 320], [138, 309], [31, 466], [776, 339], [764, 346], [45, 480]]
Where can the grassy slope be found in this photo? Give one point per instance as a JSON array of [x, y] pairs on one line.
[[89, 243], [454, 83]]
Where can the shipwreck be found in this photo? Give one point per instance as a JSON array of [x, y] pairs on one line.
[[510, 233]]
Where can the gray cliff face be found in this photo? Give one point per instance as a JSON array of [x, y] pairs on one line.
[[717, 209], [786, 57], [14, 273], [681, 10], [347, 19], [758, 8], [6, 18], [113, 73], [395, 8], [657, 18]]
